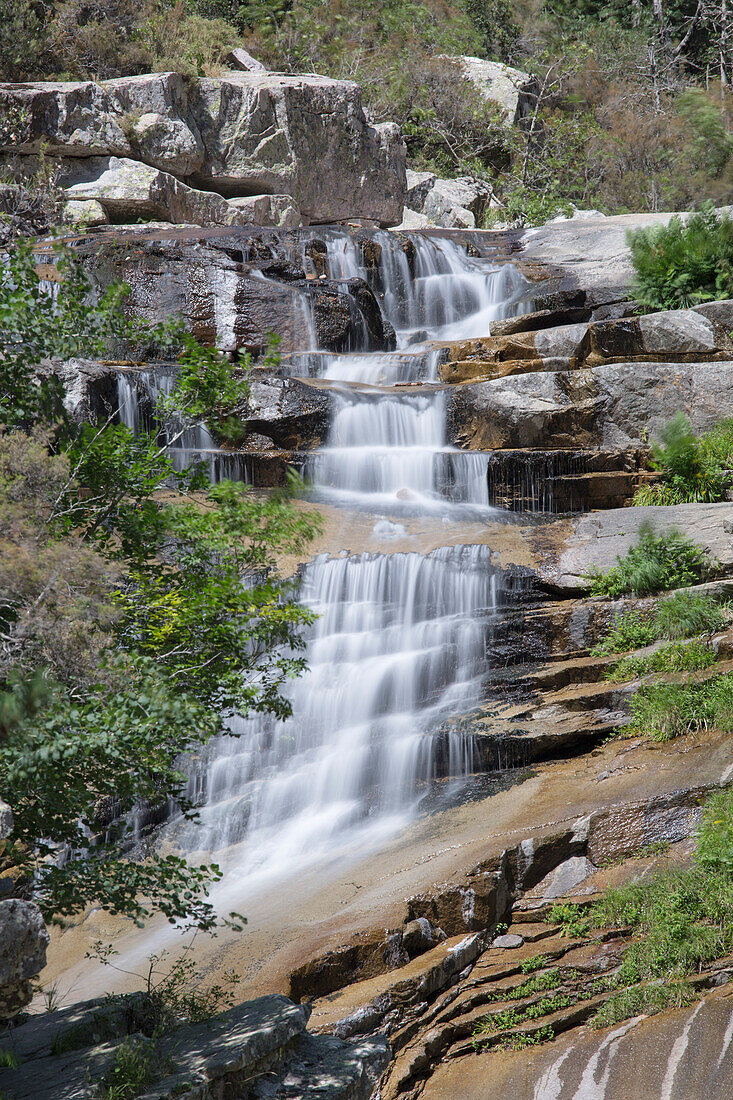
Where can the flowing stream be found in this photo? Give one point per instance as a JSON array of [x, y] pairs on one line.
[[399, 643]]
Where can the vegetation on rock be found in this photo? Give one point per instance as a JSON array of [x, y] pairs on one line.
[[655, 563], [675, 921], [684, 262], [137, 607], [693, 468], [679, 616]]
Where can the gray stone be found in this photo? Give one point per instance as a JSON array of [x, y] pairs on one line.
[[419, 185], [597, 539], [564, 878], [720, 313], [242, 134], [6, 820], [241, 59], [413, 219], [419, 936], [166, 143], [614, 405], [84, 213], [590, 253], [128, 189], [513, 90], [327, 1068], [304, 136], [510, 940], [80, 119], [237, 1042], [458, 203], [563, 341], [677, 331], [275, 210], [23, 943]]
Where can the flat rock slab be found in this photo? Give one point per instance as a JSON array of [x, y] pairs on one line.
[[598, 539], [511, 940], [238, 1040]]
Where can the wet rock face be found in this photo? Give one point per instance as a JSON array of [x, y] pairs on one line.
[[234, 296], [208, 132]]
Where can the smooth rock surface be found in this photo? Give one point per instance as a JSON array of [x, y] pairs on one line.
[[508, 941], [681, 1055]]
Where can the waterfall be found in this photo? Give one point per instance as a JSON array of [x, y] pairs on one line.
[[400, 641]]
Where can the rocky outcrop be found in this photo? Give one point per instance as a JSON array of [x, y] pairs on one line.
[[129, 191], [599, 538], [616, 405], [259, 1049], [241, 135], [448, 203]]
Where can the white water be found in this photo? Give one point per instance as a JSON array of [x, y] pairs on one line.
[[400, 641]]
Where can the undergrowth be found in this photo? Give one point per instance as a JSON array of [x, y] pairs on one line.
[[678, 920], [676, 657], [693, 468], [665, 711], [680, 264], [654, 564]]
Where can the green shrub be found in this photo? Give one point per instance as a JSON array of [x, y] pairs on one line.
[[715, 835], [688, 613], [642, 1000], [137, 1064], [655, 563], [664, 711], [693, 469], [676, 657], [680, 264], [632, 630]]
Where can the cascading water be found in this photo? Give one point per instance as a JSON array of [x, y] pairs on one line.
[[400, 640]]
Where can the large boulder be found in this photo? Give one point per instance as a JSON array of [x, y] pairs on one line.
[[23, 943], [243, 134], [304, 136], [452, 204], [514, 91]]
